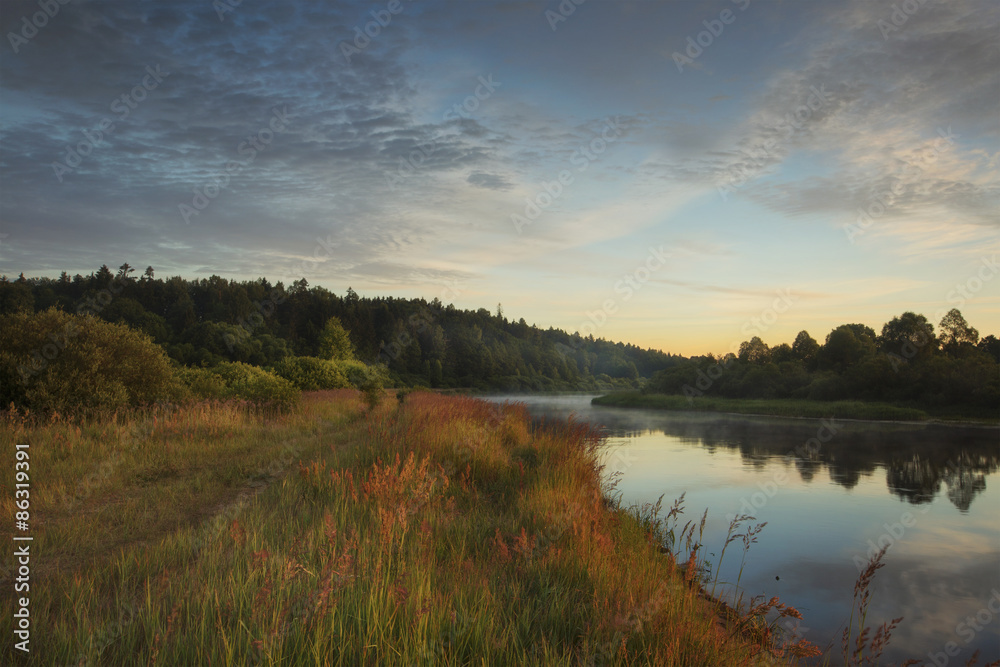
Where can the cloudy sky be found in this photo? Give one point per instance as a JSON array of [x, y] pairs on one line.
[[662, 171]]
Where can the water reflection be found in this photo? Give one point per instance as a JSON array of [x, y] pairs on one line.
[[918, 459]]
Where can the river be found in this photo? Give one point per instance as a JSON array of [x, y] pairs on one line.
[[830, 492]]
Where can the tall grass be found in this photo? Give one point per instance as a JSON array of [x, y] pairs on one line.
[[433, 531]]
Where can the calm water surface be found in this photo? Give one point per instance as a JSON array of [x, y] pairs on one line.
[[829, 492]]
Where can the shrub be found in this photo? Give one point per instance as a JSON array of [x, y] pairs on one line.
[[362, 375], [54, 361], [308, 373], [202, 383], [370, 379], [251, 383]]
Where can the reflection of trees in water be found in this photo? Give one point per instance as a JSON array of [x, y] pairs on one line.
[[919, 459], [963, 487], [845, 476], [807, 467], [914, 480], [918, 480]]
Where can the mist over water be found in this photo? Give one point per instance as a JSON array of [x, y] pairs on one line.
[[831, 492]]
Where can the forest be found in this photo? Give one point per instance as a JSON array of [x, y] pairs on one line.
[[202, 323], [218, 324], [907, 363]]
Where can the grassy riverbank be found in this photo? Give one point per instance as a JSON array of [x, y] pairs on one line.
[[779, 407], [437, 531]]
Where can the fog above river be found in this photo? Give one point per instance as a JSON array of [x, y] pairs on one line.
[[919, 461]]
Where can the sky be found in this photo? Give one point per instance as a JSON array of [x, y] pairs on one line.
[[678, 175]]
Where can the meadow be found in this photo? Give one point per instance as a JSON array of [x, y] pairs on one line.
[[424, 529]]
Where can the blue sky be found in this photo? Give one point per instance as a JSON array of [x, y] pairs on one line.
[[708, 190]]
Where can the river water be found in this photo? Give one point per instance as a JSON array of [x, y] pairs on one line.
[[830, 492]]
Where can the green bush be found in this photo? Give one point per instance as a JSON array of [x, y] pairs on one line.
[[309, 373], [53, 361], [234, 379], [362, 375], [202, 383]]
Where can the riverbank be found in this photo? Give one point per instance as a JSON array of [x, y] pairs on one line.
[[781, 407], [428, 530]]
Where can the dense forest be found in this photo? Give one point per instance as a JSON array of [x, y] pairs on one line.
[[209, 323], [906, 363], [203, 322]]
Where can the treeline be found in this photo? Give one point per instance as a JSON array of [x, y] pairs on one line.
[[201, 323], [908, 362], [314, 338]]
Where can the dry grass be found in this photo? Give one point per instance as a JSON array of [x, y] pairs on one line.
[[439, 531]]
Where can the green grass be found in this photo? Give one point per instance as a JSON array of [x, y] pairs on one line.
[[779, 407], [439, 531]]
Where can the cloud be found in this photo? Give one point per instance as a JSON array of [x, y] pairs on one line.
[[702, 287], [908, 118], [373, 166], [489, 181]]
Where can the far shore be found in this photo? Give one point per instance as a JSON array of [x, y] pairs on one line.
[[798, 408]]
